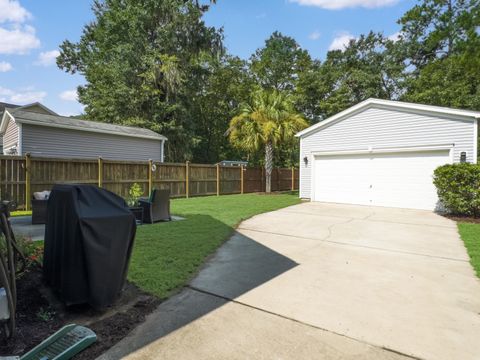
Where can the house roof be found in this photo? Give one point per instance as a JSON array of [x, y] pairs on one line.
[[8, 106], [4, 105], [28, 117], [393, 105]]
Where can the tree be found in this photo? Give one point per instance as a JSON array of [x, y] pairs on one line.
[[369, 66], [278, 63], [453, 81], [263, 124], [437, 29], [441, 42], [138, 58], [225, 84]]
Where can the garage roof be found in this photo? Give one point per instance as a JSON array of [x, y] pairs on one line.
[[394, 105]]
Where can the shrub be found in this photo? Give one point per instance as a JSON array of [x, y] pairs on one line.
[[134, 193], [458, 188], [31, 250]]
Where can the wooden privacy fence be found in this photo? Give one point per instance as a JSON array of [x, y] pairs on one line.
[[21, 176]]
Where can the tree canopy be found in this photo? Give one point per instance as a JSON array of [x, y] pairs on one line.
[[156, 64], [266, 123]]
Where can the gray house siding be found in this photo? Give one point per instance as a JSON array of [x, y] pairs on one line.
[[10, 138], [385, 128], [46, 141]]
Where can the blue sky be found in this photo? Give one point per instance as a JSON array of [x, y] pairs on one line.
[[31, 31]]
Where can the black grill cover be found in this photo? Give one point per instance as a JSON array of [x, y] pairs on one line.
[[88, 241]]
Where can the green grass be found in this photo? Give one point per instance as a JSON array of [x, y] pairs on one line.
[[166, 255], [470, 233], [20, 213]]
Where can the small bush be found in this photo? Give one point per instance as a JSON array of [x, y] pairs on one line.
[[458, 188], [134, 193]]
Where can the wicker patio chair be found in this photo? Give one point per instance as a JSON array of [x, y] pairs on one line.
[[39, 211], [157, 207]]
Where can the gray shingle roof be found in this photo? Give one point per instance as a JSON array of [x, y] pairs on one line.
[[4, 106], [85, 125]]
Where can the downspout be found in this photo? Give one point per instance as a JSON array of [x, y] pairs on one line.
[[20, 139], [162, 157], [476, 143]]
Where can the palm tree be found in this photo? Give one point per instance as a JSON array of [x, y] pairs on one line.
[[267, 121]]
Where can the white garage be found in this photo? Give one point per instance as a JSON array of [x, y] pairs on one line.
[[383, 153]]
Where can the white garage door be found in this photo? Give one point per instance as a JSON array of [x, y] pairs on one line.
[[392, 179]]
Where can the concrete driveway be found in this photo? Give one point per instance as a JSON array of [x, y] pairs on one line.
[[324, 281]]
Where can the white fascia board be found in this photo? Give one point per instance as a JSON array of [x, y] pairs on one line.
[[385, 150], [5, 118], [455, 114]]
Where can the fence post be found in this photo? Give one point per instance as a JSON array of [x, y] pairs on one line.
[[293, 178], [100, 171], [279, 185], [241, 179], [218, 179], [187, 186], [27, 180], [150, 176], [262, 180]]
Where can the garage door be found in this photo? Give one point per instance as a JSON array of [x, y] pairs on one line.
[[392, 179]]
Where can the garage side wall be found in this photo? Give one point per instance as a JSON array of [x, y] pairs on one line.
[[383, 128], [43, 141]]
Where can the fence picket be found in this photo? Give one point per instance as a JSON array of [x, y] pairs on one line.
[[22, 176]]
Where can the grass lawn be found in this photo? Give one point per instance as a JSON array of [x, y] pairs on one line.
[[470, 234], [166, 255], [21, 213]]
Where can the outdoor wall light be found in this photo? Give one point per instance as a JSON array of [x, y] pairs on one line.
[[305, 160], [463, 157]]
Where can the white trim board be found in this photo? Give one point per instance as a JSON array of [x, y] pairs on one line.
[[372, 150]]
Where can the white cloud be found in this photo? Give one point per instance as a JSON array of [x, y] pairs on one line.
[[5, 66], [342, 4], [69, 95], [18, 40], [341, 41], [47, 58], [4, 92], [12, 11], [395, 36], [16, 37], [314, 35], [28, 97], [21, 97]]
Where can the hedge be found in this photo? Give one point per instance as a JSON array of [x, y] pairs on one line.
[[458, 187]]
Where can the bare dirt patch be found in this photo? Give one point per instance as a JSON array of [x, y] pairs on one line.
[[464, 219], [40, 314]]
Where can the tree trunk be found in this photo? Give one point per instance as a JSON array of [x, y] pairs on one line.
[[268, 167], [450, 28]]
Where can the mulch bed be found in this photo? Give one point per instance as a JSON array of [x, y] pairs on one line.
[[40, 314], [464, 219]]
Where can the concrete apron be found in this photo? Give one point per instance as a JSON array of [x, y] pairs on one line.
[[324, 281]]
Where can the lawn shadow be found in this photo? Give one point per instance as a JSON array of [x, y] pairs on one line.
[[237, 267]]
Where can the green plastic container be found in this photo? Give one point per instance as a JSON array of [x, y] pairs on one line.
[[63, 345]]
